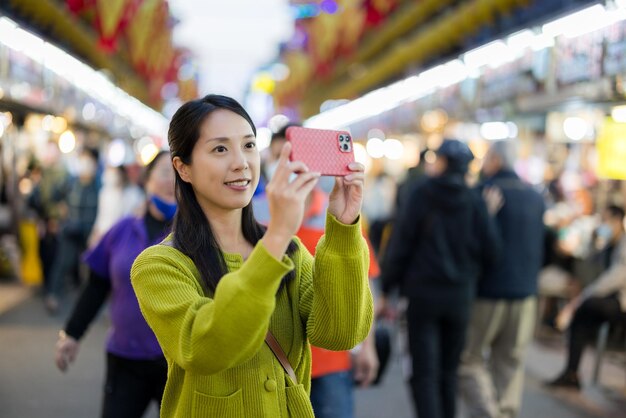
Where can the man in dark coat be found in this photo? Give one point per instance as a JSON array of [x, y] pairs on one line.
[[441, 242]]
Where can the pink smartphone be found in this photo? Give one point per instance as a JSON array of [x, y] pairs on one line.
[[324, 151]]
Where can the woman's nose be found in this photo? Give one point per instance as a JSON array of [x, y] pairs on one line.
[[241, 161]]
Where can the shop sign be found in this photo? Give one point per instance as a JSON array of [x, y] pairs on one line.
[[24, 69], [611, 147], [579, 59], [450, 99], [25, 76], [614, 61], [508, 81]]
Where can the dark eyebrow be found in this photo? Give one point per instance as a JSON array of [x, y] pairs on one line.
[[226, 139]]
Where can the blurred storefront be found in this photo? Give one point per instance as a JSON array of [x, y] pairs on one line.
[[548, 74], [108, 66], [78, 73], [100, 70], [342, 49]]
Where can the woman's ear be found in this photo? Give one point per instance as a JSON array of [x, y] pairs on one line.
[[182, 169]]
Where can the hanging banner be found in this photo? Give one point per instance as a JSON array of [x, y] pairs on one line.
[[351, 26], [79, 6], [579, 59], [377, 10], [614, 60], [112, 18], [140, 30]]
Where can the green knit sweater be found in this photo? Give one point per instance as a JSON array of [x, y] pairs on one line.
[[219, 365]]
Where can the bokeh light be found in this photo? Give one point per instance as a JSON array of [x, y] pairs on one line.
[[67, 142], [117, 152], [375, 148], [393, 149]]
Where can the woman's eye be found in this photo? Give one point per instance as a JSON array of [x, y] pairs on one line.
[[220, 148], [250, 145]]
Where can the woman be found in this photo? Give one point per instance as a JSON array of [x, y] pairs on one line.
[[221, 281], [136, 369]]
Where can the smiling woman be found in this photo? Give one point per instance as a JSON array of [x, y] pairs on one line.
[[223, 294]]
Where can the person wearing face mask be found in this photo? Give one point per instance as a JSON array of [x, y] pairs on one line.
[[136, 369], [603, 300], [79, 214]]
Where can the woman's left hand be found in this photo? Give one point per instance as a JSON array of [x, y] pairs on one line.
[[347, 196]]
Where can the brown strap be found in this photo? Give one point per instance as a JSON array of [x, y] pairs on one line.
[[280, 355], [270, 340]]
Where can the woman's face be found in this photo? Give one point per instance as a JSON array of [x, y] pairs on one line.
[[162, 180], [225, 162]]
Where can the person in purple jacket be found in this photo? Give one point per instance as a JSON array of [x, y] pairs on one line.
[[136, 370]]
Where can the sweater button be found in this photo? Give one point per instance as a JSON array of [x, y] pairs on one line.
[[270, 385]]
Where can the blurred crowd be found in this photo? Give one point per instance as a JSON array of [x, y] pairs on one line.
[[469, 265], [67, 204]]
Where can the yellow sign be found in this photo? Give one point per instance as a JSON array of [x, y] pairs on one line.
[[611, 147]]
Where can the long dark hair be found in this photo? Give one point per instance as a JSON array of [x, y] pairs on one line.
[[192, 232]]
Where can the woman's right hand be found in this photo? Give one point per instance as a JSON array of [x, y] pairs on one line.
[[286, 200], [66, 351]]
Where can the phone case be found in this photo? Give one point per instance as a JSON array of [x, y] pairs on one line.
[[325, 151]]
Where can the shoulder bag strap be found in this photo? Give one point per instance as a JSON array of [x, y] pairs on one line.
[[280, 355], [271, 342]]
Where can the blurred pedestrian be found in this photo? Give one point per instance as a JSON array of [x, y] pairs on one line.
[[604, 300], [222, 284], [378, 203], [50, 188], [78, 214], [116, 188], [441, 242], [136, 369], [503, 315]]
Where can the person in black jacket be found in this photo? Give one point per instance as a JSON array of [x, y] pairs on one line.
[[503, 316], [441, 242]]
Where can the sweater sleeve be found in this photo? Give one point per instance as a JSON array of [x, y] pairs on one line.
[[201, 334], [91, 299], [336, 301]]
